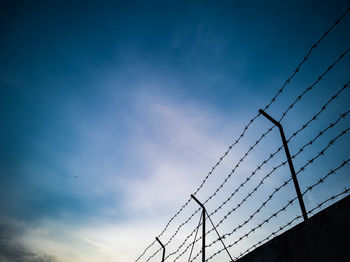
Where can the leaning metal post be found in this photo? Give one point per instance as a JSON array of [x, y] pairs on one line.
[[290, 163], [162, 247], [203, 226]]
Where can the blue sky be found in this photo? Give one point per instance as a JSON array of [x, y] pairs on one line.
[[113, 112]]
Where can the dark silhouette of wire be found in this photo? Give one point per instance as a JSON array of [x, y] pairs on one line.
[[306, 57]]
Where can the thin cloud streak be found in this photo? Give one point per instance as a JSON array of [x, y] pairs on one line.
[[169, 162]]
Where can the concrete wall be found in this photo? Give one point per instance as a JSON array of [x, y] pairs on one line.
[[324, 237]]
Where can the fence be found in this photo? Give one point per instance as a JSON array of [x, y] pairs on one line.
[[227, 236]]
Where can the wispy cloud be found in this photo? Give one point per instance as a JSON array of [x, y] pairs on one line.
[[174, 143], [11, 250]]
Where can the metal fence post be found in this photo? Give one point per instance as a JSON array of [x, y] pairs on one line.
[[203, 226], [163, 247], [290, 163]]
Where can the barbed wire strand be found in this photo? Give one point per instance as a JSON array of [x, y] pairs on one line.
[[306, 57], [342, 116], [294, 134], [322, 179], [195, 236], [220, 238], [309, 188], [314, 83], [323, 108], [332, 198], [309, 88], [321, 153], [273, 170], [285, 183], [265, 221], [285, 113], [273, 234], [271, 155]]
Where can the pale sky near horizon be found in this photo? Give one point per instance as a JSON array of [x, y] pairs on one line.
[[114, 112]]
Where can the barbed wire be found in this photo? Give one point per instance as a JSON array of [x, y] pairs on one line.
[[321, 153], [314, 83], [309, 188], [183, 243], [321, 180], [332, 198], [323, 108], [218, 189], [285, 183], [276, 167], [195, 236], [273, 234], [265, 221], [283, 163], [284, 114], [342, 116], [306, 57]]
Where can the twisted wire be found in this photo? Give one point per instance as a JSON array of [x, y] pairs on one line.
[[285, 113], [285, 183], [273, 234], [309, 188], [195, 236], [342, 116], [265, 221], [282, 117], [331, 125], [306, 57], [321, 153], [217, 190], [182, 244], [332, 198], [321, 180], [210, 197], [283, 163], [220, 238], [323, 108], [314, 83]]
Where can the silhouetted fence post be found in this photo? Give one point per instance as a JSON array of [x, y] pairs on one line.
[[203, 226], [204, 211], [290, 163], [163, 247]]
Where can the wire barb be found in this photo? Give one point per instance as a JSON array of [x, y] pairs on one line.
[[251, 148], [274, 169]]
